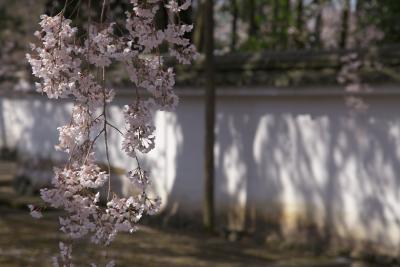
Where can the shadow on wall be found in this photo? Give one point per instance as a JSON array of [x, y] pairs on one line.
[[297, 165], [284, 165], [29, 125], [178, 161]]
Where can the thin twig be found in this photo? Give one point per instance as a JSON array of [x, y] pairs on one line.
[[112, 126], [76, 9], [105, 112], [91, 145], [102, 12]]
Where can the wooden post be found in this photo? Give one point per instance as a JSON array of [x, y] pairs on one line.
[[208, 205]]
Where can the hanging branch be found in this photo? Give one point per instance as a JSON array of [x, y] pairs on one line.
[[68, 68]]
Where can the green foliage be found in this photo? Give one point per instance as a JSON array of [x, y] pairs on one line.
[[286, 24], [274, 22], [258, 44], [386, 15]]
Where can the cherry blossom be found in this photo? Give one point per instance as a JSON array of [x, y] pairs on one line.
[[175, 7], [35, 213], [68, 67]]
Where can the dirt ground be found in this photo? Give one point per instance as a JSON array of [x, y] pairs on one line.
[[25, 242]]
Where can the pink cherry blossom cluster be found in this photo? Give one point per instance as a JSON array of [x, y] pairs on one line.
[[349, 76], [69, 67], [352, 64]]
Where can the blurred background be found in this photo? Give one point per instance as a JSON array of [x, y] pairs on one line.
[[284, 150]]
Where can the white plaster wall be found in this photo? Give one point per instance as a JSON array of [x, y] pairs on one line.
[[295, 158]]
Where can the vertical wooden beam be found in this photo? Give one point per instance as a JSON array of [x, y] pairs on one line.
[[209, 172]]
